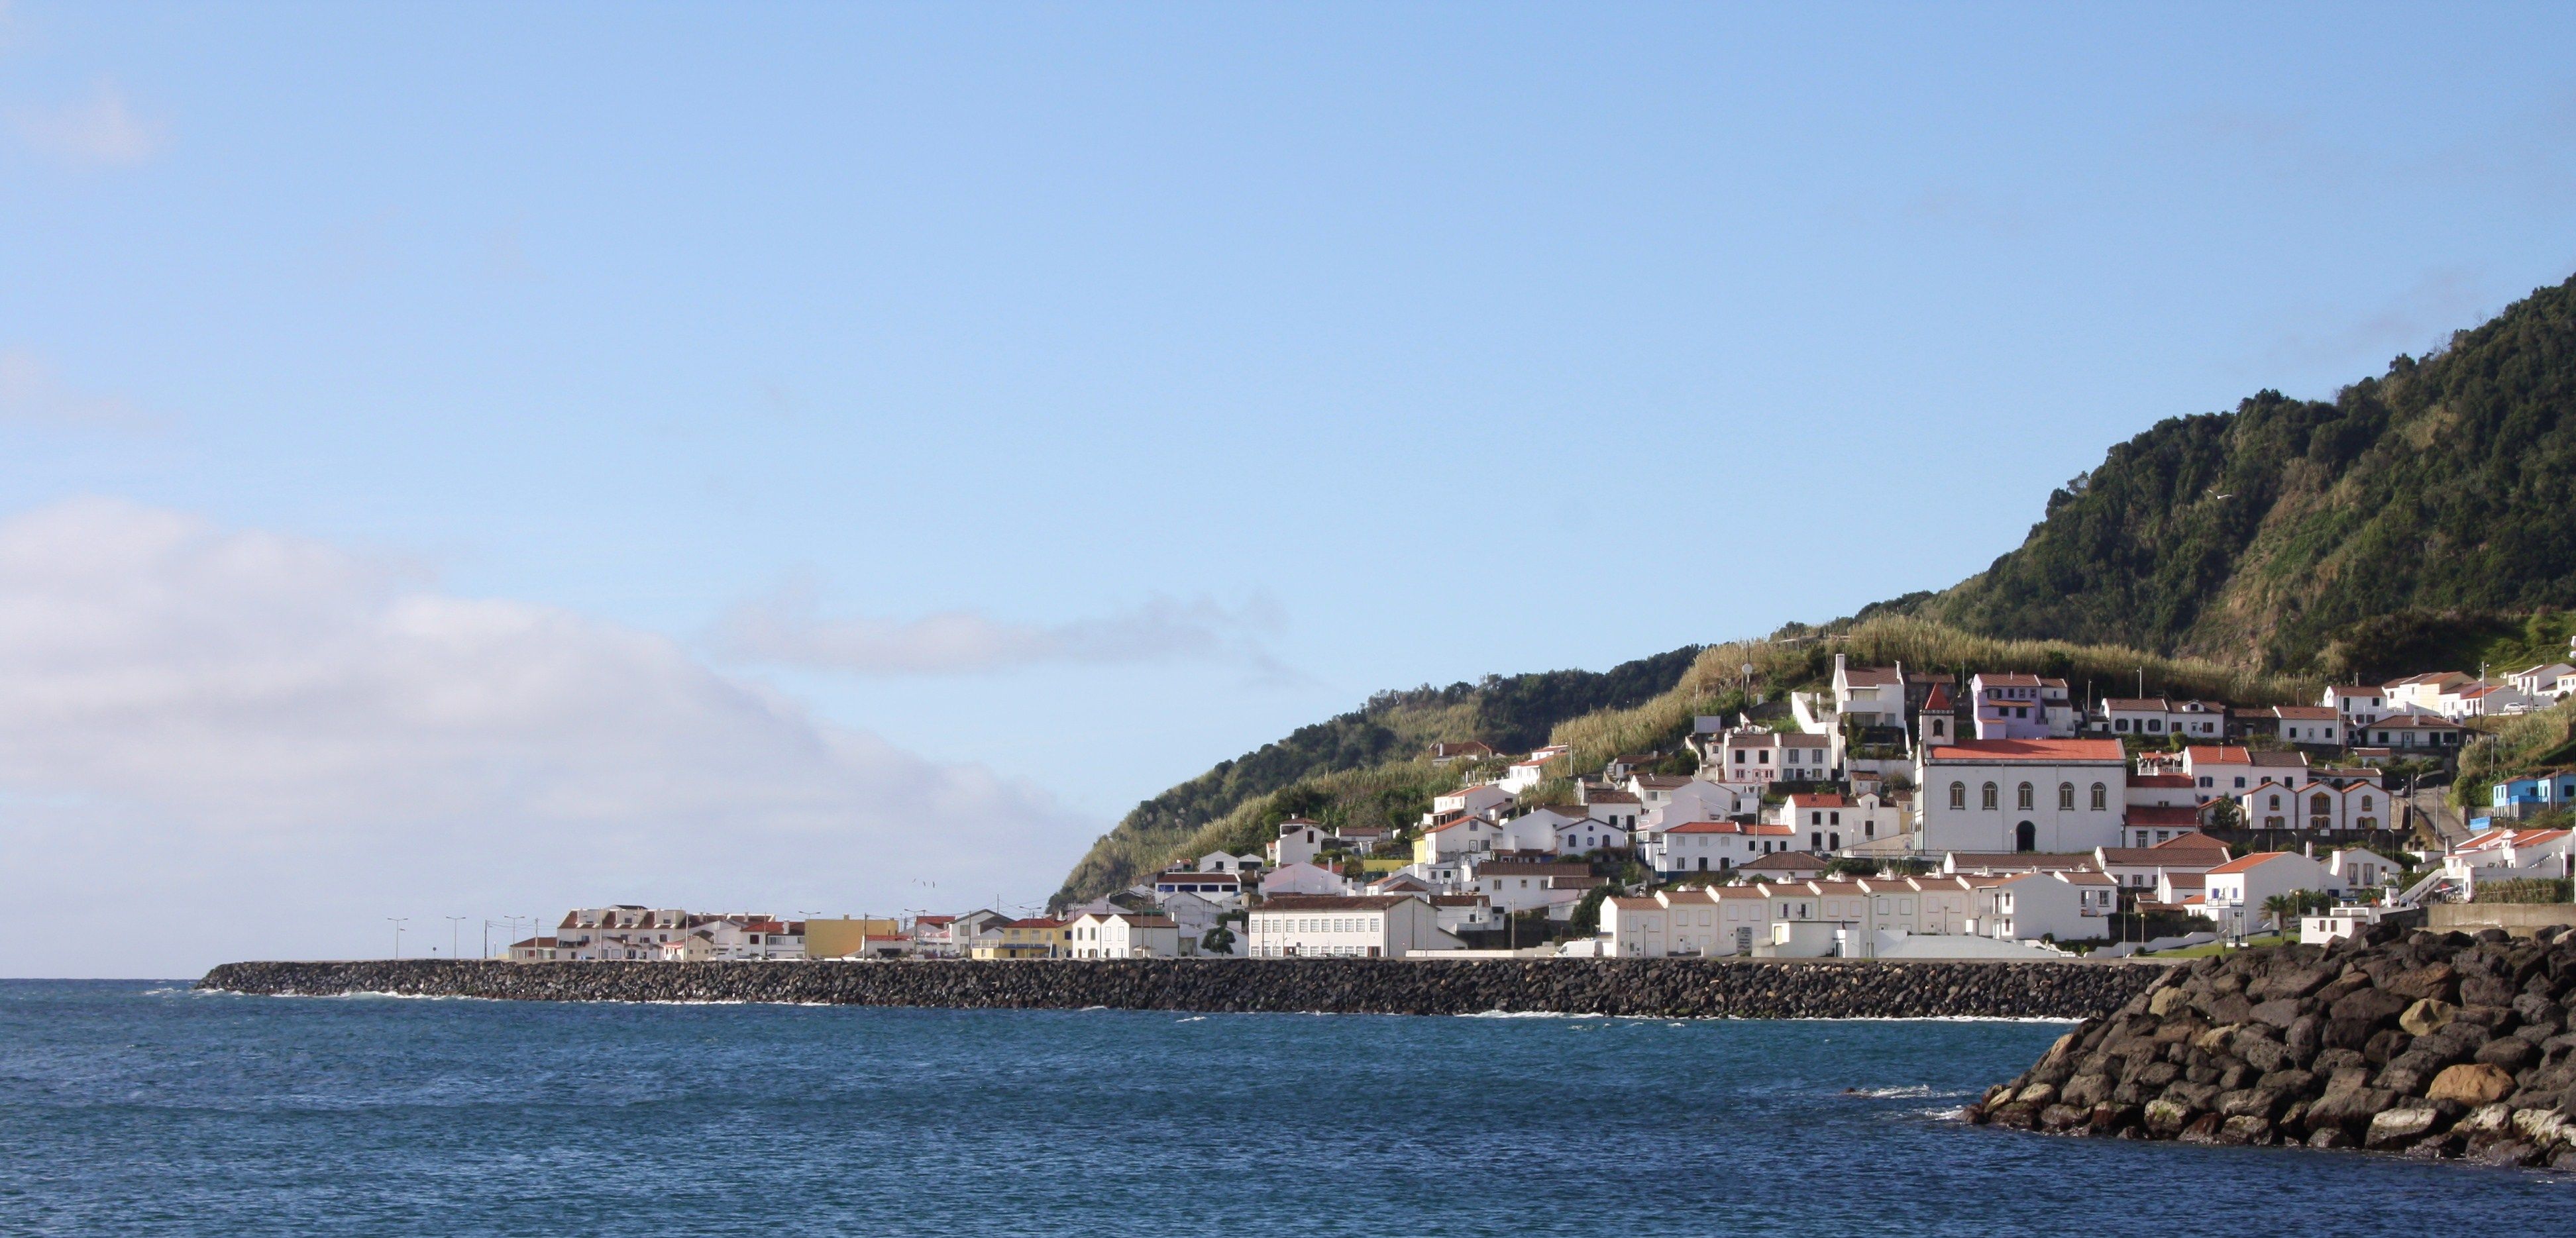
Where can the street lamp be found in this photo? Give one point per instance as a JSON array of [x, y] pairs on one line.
[[452, 939], [398, 925]]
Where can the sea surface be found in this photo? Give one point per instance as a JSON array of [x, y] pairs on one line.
[[144, 1108]]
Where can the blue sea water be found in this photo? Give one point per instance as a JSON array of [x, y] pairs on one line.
[[139, 1108]]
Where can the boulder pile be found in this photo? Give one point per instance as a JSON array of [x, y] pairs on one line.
[[2421, 1043], [1748, 989]]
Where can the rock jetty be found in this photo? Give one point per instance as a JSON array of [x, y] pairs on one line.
[[1760, 989], [2421, 1043]]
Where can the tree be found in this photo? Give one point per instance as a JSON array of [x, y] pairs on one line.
[[1586, 919], [1218, 940], [2280, 909], [2225, 815]]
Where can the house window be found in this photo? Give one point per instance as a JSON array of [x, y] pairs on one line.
[[2066, 797], [1993, 797], [2024, 796], [2101, 797], [1958, 795]]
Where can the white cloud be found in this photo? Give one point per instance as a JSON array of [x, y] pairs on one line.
[[101, 131], [217, 743], [31, 394], [789, 628]]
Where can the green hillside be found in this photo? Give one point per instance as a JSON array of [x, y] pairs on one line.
[[1368, 767], [2427, 509], [1513, 713], [2420, 519]]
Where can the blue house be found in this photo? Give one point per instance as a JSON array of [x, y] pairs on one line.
[[2521, 797]]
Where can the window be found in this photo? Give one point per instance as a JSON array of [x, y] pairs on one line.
[[1958, 795], [1993, 798], [2066, 797], [2101, 797], [2023, 796], [2365, 803]]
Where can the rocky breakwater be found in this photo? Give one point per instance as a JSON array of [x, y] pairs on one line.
[[2427, 1044], [1657, 987]]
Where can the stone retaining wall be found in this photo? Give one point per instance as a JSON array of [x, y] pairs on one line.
[[1656, 987], [2427, 1043]]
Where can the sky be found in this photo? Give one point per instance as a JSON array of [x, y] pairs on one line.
[[478, 460]]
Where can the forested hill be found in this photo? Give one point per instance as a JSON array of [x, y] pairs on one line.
[[1513, 713], [2312, 535]]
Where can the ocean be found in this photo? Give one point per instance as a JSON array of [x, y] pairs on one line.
[[146, 1108]]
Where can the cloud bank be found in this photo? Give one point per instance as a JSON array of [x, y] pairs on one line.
[[221, 743], [788, 628]]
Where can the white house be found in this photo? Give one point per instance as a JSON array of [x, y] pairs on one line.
[[1222, 889], [1124, 935], [2022, 794], [2500, 853], [2409, 730], [1456, 840], [1299, 842], [1539, 828], [1302, 878], [1357, 926], [1709, 846], [2016, 706], [2423, 693], [2489, 701], [1829, 823], [1520, 776], [1466, 801], [2227, 771], [1587, 835], [2138, 869], [1610, 805], [2363, 870], [1457, 913], [1768, 756], [2315, 806], [2234, 891], [2308, 724], [1515, 886], [1700, 800], [2542, 680], [1220, 862], [2357, 704], [1869, 695], [2061, 906]]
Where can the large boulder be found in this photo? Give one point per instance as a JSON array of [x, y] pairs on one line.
[[2426, 1016], [2403, 1125], [2472, 1084]]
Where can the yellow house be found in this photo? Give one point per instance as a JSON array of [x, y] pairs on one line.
[[839, 939], [1023, 939]]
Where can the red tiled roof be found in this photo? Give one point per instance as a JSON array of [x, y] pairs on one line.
[[2162, 815], [1983, 751], [2244, 862]]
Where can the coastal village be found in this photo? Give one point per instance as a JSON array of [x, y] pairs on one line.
[[1894, 813]]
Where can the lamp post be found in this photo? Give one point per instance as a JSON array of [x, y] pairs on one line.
[[454, 924], [398, 925]]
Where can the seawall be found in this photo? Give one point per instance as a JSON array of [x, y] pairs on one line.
[[1764, 989], [2427, 1043]]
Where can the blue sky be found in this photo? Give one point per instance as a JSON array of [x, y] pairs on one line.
[[1066, 398]]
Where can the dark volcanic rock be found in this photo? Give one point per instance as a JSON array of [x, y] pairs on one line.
[[1782, 989], [2428, 1045]]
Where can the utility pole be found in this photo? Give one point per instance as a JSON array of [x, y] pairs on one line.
[[453, 923], [398, 923]]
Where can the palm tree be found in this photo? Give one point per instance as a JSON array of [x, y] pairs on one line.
[[2280, 908]]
